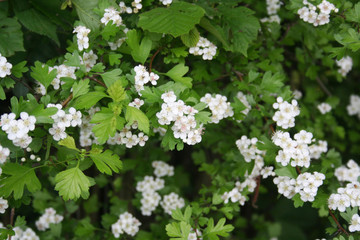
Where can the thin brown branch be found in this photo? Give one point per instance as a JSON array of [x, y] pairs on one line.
[[323, 87], [96, 80], [12, 215], [21, 81], [337, 223], [67, 100], [238, 74], [256, 194], [298, 170], [153, 57]]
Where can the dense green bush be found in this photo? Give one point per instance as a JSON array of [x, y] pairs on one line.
[[158, 119]]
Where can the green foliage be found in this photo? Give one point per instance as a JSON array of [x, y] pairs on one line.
[[41, 74], [177, 74], [133, 114], [17, 177], [107, 162], [11, 36]]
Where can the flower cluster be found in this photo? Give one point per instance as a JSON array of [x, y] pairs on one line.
[[219, 107], [136, 4], [242, 97], [183, 117], [171, 202], [309, 14], [285, 116], [354, 107], [195, 234], [306, 184], [4, 153], [355, 223], [124, 8], [317, 149], [142, 77], [324, 108], [126, 223], [87, 136], [205, 48], [62, 71], [349, 173], [82, 37], [345, 197], [5, 67], [296, 151], [88, 59], [248, 149], [111, 15], [272, 7], [28, 234], [148, 187], [128, 138], [17, 130], [47, 218], [345, 65], [3, 205], [62, 120]]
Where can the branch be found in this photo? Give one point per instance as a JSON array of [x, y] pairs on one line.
[[153, 57], [12, 219], [67, 100], [337, 223], [97, 80], [298, 170], [256, 194], [20, 81], [323, 87]]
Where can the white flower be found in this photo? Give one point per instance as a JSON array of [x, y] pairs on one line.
[[3, 205], [5, 67], [324, 108], [355, 223]]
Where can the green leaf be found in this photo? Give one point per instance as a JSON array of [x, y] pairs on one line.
[[205, 24], [37, 22], [272, 83], [20, 221], [89, 100], [297, 201], [191, 39], [117, 92], [178, 19], [287, 171], [133, 114], [19, 69], [220, 229], [109, 30], [139, 51], [69, 142], [353, 14], [18, 177], [43, 115], [71, 183], [177, 214], [179, 231], [203, 117], [242, 27], [169, 141], [11, 37], [177, 73], [111, 77], [2, 93], [114, 59], [107, 162], [80, 88], [41, 74], [72, 59], [84, 9], [349, 213]]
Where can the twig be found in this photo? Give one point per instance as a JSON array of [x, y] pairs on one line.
[[153, 57], [238, 74], [256, 194], [323, 87], [67, 100], [20, 81], [298, 170], [97, 80], [337, 223]]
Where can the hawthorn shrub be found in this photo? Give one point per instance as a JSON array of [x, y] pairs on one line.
[[189, 120]]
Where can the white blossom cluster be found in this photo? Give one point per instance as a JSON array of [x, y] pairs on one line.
[[171, 202], [242, 97], [17, 130], [88, 59], [345, 65], [5, 67], [355, 223], [248, 149], [148, 187], [87, 137], [32, 157], [136, 4], [297, 151], [128, 138], [142, 77], [345, 197], [124, 8], [3, 205], [272, 7], [309, 13], [324, 108], [349, 173], [219, 107], [182, 115], [306, 184], [204, 48], [4, 154], [285, 116], [111, 15], [166, 2], [62, 120], [127, 223], [28, 234], [354, 107], [82, 37], [160, 130], [195, 234], [115, 45], [137, 103], [47, 218]]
